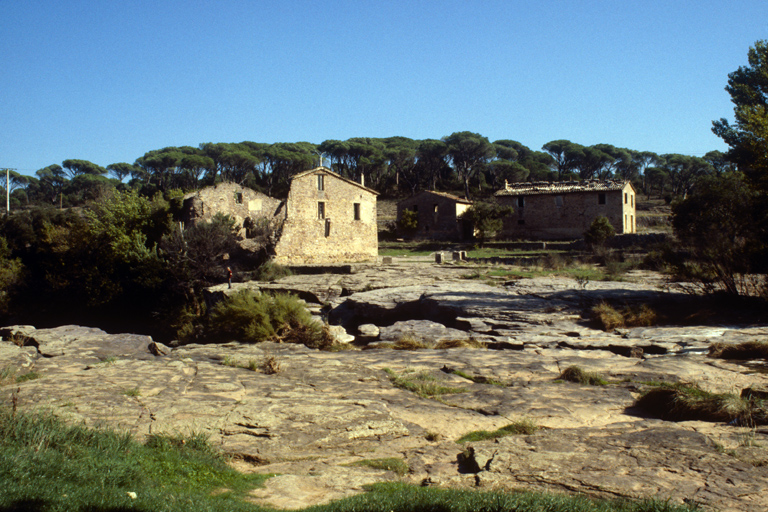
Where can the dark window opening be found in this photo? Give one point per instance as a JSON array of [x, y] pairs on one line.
[[520, 222], [320, 210], [357, 211], [320, 182], [239, 197], [521, 202], [601, 198]]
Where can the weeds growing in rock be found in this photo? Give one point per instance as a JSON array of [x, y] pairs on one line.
[[27, 376], [609, 318], [522, 427], [397, 466], [133, 392], [576, 374], [270, 365], [684, 402], [748, 350], [422, 383], [478, 379], [409, 341]]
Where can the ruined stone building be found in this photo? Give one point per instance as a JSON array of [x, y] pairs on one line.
[[438, 214], [243, 204], [565, 210], [325, 219]]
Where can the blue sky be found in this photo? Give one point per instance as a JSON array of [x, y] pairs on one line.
[[107, 81]]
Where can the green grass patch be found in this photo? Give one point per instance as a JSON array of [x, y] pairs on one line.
[[133, 392], [49, 466], [518, 428], [393, 464], [684, 402], [578, 375], [422, 383], [401, 497], [27, 376]]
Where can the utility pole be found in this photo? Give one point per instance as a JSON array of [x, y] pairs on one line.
[[7, 188]]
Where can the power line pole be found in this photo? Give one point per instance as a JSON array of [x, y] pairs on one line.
[[8, 189]]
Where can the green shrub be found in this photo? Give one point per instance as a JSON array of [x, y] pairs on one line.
[[422, 383], [254, 317]]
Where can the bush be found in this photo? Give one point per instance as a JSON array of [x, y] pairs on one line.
[[523, 427], [599, 232], [254, 317]]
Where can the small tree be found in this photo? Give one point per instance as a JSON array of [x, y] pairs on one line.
[[599, 232], [487, 219], [408, 223]]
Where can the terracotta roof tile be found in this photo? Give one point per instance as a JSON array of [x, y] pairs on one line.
[[559, 187]]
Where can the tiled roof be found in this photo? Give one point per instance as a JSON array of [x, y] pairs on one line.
[[559, 187], [441, 194]]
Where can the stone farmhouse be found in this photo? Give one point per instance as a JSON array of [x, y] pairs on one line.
[[565, 210], [328, 219], [325, 219], [438, 214]]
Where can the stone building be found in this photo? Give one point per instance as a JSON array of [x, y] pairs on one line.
[[438, 214], [328, 219], [565, 210], [243, 204]]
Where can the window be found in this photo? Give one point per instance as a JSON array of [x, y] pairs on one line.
[[239, 197], [521, 202], [632, 200], [321, 182], [357, 211], [601, 198], [626, 198], [559, 201], [321, 210], [520, 222]]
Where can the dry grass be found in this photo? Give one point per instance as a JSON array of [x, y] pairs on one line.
[[686, 402], [576, 374], [609, 318], [747, 350]]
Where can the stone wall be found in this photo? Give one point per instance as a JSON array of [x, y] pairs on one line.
[[438, 215], [329, 222], [240, 203], [568, 215]]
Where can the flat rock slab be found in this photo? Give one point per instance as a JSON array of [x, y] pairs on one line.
[[323, 411]]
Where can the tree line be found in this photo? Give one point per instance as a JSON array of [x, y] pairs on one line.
[[465, 163]]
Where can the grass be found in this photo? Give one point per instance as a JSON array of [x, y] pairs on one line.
[[397, 466], [684, 402], [576, 374], [521, 427], [27, 376], [133, 392], [748, 350], [608, 318], [48, 466], [422, 383], [401, 497]]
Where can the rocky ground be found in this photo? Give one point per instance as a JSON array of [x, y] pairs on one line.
[[320, 413]]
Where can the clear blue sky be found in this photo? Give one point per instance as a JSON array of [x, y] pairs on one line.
[[108, 80]]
